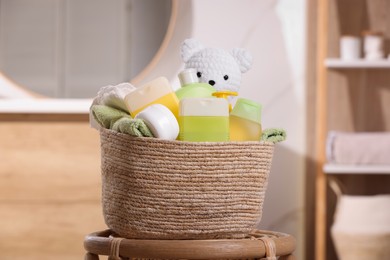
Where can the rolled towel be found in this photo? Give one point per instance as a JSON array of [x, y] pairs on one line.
[[358, 148], [134, 127], [106, 116], [120, 121], [112, 96], [274, 135]]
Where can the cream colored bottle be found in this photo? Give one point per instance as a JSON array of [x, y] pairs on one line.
[[157, 91]]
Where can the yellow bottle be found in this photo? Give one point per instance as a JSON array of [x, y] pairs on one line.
[[157, 91], [245, 121]]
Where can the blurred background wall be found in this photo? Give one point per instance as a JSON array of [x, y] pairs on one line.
[[275, 33]]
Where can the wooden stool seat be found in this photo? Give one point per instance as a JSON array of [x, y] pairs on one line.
[[259, 244]]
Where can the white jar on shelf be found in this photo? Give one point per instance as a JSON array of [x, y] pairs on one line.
[[373, 45], [349, 47]]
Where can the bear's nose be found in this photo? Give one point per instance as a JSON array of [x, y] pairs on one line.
[[212, 82]]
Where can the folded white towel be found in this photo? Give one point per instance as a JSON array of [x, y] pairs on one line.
[[358, 148], [113, 96]]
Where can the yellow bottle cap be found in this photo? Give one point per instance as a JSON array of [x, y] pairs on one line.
[[224, 94]]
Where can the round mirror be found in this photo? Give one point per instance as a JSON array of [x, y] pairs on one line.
[[70, 49]]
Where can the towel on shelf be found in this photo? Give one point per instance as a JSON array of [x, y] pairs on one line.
[[358, 148], [112, 96], [118, 120], [274, 135]]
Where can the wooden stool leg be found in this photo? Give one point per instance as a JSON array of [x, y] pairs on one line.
[[287, 257], [90, 256]]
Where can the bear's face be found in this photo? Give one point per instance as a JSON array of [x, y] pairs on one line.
[[217, 68]]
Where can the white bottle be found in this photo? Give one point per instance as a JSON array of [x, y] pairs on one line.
[[349, 48]]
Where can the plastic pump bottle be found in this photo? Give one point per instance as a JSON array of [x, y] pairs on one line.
[[245, 121], [225, 94], [191, 88]]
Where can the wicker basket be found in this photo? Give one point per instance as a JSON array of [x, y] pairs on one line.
[[361, 228], [158, 189]]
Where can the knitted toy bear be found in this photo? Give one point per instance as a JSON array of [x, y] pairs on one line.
[[217, 67]]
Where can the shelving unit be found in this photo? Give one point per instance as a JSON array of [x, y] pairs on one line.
[[351, 96], [355, 169], [335, 63]]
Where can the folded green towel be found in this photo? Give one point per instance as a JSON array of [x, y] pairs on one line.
[[120, 121], [135, 127], [273, 135]]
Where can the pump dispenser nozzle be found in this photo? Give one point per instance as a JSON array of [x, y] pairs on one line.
[[188, 76], [191, 87], [224, 94]]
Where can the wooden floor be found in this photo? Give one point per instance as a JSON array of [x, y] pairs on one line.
[[50, 189]]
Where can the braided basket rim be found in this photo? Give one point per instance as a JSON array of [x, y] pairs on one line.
[[163, 141]]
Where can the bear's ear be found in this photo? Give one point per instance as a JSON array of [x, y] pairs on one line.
[[243, 58], [189, 47]]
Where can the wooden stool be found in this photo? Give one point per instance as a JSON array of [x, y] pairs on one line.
[[259, 244]]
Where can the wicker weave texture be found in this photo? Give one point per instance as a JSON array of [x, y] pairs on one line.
[[157, 189]]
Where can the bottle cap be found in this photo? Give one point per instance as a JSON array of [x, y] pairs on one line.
[[161, 121], [188, 76], [247, 109], [225, 94]]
